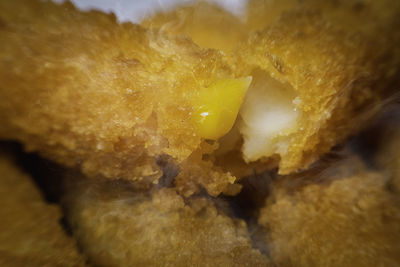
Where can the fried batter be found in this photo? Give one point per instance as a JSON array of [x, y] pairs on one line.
[[117, 226], [341, 216], [30, 231], [208, 25], [113, 98], [261, 13], [320, 72], [320, 69], [84, 90]]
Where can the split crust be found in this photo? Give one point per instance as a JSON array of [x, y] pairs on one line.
[[115, 99]]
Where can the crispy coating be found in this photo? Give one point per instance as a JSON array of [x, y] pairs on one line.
[[261, 13], [341, 58], [31, 234], [205, 23], [341, 216], [112, 98], [208, 25], [86, 91], [117, 226]]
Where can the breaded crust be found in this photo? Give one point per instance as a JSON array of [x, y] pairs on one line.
[[341, 59], [86, 91], [341, 216], [117, 226], [206, 24]]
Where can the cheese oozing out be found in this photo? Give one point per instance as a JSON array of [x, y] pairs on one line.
[[266, 108], [268, 117], [217, 106]]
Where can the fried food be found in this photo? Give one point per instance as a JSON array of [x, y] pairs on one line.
[[343, 215], [210, 26], [320, 72], [317, 68], [118, 226], [111, 98], [115, 98], [166, 117], [205, 23], [262, 13], [31, 234]]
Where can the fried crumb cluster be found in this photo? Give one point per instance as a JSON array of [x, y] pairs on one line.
[[120, 227], [104, 96], [111, 98], [340, 65], [343, 216], [201, 138]]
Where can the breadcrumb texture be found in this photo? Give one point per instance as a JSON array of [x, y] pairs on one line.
[[205, 23], [210, 26], [340, 57], [31, 234], [117, 226], [261, 13], [112, 98], [86, 91], [341, 216]]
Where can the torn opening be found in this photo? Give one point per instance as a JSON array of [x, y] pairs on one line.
[[268, 117]]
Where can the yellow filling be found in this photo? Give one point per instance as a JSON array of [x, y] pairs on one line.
[[217, 106]]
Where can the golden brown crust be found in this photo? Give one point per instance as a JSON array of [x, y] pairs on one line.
[[340, 57], [117, 226], [111, 98], [210, 26], [342, 216], [206, 24], [31, 234], [261, 13], [84, 90]]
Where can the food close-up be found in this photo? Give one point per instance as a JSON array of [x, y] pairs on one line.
[[200, 133]]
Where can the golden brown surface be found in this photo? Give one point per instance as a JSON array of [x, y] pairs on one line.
[[31, 234], [342, 216], [261, 13], [340, 58], [111, 98], [117, 226], [84, 90], [206, 24], [117, 101], [210, 26]]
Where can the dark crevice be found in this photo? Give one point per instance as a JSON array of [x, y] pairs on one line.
[[247, 204], [46, 174], [170, 171]]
